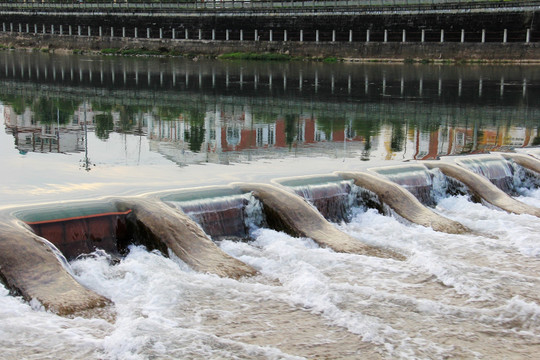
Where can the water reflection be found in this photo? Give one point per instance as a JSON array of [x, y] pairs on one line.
[[209, 111]]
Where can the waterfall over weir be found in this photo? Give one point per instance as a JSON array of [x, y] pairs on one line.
[[185, 223], [331, 195], [494, 168], [414, 178]]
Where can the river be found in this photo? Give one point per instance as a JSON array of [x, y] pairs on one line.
[[83, 127]]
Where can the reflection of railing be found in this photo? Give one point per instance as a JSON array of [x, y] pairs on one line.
[[283, 5]]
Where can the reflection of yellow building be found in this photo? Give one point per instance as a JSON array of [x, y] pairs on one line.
[[447, 140]]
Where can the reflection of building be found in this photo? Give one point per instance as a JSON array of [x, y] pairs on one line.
[[233, 134], [36, 137], [225, 133]]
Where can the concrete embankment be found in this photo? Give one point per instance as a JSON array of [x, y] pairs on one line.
[[381, 51]]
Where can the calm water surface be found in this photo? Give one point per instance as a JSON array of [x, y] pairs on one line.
[[80, 127]]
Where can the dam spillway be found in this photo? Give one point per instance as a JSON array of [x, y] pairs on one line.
[[150, 140], [112, 226]]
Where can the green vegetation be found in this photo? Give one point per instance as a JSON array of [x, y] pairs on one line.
[[140, 52], [330, 59], [256, 56]]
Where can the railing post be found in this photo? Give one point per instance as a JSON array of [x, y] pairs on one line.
[[423, 36], [385, 35], [333, 35], [483, 35], [528, 36], [505, 35], [404, 36], [301, 35], [186, 34], [241, 33], [350, 35], [227, 34], [462, 35], [271, 35], [367, 35], [284, 35], [442, 35], [200, 34], [316, 35]]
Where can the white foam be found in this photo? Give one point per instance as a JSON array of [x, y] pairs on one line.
[[442, 301]]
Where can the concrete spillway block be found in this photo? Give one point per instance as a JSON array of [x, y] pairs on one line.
[[160, 226], [404, 203], [30, 268], [482, 188], [528, 162], [286, 211]]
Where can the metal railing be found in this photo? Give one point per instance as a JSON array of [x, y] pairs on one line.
[[283, 5]]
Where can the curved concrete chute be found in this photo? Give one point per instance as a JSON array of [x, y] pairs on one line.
[[30, 268], [160, 226], [404, 203], [526, 161], [288, 212], [484, 189]]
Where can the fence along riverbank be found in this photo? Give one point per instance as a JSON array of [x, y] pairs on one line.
[[347, 29]]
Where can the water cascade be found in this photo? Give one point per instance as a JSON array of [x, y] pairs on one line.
[[494, 168], [404, 203], [482, 189], [414, 178], [527, 162], [30, 268], [288, 212], [220, 212], [160, 226], [330, 195]]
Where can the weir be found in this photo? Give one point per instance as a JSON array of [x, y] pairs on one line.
[[31, 241], [160, 226], [404, 203], [80, 228], [220, 212], [494, 168], [482, 189], [183, 222], [30, 268], [525, 161], [414, 178], [288, 212], [329, 194]]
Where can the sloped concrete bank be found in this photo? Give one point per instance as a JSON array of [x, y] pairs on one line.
[[390, 51]]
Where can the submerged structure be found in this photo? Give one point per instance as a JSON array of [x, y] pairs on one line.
[[36, 243]]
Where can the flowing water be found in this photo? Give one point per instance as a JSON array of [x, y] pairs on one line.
[[187, 124]]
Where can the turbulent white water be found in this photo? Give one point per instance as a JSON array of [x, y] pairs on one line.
[[456, 296]]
